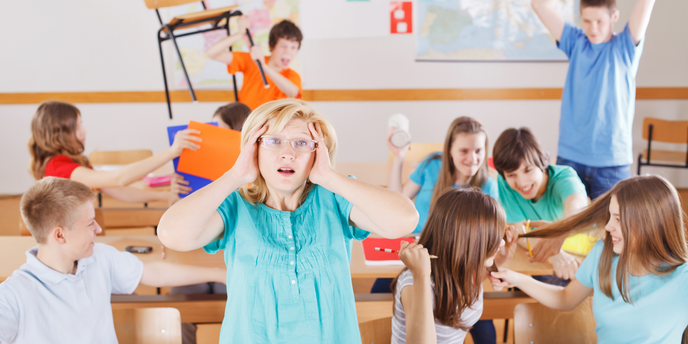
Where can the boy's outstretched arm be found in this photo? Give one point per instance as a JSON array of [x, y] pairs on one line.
[[164, 274], [554, 22], [640, 17], [220, 50], [285, 85]]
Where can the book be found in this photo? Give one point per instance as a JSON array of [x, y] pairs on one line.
[[219, 151], [195, 182], [373, 257]]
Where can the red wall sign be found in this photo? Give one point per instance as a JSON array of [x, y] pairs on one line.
[[401, 16]]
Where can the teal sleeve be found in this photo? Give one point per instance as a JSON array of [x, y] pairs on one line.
[[418, 175], [490, 188], [228, 211], [566, 184], [585, 273], [345, 207]]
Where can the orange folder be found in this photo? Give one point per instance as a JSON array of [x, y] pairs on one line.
[[219, 151]]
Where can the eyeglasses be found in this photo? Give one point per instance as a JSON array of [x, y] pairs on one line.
[[276, 142]]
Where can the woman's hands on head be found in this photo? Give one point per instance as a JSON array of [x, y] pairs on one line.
[[416, 258], [322, 168], [397, 151], [184, 139], [245, 168]]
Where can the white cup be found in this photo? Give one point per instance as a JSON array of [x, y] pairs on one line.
[[400, 137]]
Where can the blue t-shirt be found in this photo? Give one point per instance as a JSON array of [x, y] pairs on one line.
[[598, 103], [426, 175], [659, 310], [288, 277]]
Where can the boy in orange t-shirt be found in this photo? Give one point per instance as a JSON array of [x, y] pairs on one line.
[[285, 41]]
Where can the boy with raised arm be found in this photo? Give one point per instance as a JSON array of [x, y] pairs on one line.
[[598, 103], [285, 42], [62, 293]]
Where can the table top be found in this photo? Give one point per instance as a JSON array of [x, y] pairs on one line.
[[12, 249], [519, 262]]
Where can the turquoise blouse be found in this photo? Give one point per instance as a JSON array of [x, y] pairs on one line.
[[288, 277]]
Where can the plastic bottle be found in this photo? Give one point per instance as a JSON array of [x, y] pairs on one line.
[[400, 136]]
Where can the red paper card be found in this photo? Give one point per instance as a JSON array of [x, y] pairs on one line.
[[401, 16], [219, 151], [373, 257]]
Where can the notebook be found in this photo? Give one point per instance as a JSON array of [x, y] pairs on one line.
[[219, 150], [195, 182], [373, 257]]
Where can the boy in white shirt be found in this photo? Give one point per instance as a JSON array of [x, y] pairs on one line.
[[62, 293]]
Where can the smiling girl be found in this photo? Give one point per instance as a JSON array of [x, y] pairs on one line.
[[462, 163], [286, 237], [637, 275], [532, 189]]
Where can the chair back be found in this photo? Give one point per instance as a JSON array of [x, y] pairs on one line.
[[535, 323], [415, 155], [155, 4], [665, 131], [118, 157], [378, 331], [148, 325]]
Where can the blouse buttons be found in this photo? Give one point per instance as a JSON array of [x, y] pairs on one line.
[[293, 282], [289, 237], [291, 248], [291, 263]]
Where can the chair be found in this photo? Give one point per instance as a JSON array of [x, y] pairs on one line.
[[148, 325], [218, 19], [535, 323], [659, 130], [377, 331], [117, 158]]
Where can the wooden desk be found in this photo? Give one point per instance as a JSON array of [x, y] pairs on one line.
[[12, 249], [518, 263]]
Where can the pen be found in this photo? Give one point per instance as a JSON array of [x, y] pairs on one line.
[[527, 229], [395, 251]]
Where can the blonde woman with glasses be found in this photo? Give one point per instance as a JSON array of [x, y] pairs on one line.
[[287, 236]]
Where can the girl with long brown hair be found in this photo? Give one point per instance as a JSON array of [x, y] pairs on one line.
[[57, 146], [439, 300], [637, 275], [462, 163]]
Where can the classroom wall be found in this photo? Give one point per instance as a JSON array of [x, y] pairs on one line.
[[118, 52]]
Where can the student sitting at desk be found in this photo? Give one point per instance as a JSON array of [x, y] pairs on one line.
[[285, 42], [57, 145], [532, 189], [637, 275], [62, 293]]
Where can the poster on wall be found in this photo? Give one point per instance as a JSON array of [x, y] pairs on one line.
[[209, 74], [401, 16], [486, 30]]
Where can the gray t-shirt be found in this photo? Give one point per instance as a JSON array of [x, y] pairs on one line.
[[41, 305], [445, 334]]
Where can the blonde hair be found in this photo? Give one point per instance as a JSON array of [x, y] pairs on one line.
[[283, 111], [53, 202], [53, 132], [652, 223]]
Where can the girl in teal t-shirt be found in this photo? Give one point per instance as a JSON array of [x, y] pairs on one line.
[[287, 236], [462, 163], [637, 276]]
